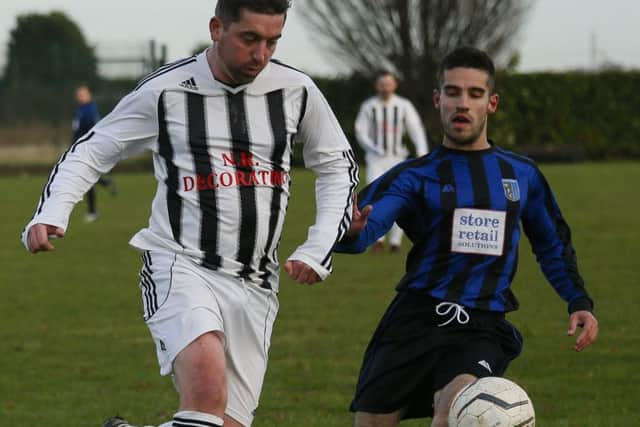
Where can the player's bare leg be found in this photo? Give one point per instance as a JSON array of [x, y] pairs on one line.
[[199, 372], [365, 419], [443, 399]]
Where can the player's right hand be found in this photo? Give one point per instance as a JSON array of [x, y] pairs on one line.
[[359, 218], [39, 235]]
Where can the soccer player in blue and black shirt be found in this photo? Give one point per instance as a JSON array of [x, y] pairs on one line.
[[461, 206], [85, 117]]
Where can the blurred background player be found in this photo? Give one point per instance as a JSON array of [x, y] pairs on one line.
[[380, 127], [461, 206], [86, 116]]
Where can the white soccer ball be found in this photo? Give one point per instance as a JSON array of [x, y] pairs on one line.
[[492, 402]]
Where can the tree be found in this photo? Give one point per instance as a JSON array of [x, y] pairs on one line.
[[47, 57], [48, 49], [410, 37]]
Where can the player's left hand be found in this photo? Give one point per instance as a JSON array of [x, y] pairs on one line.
[[589, 324], [359, 219], [301, 272]]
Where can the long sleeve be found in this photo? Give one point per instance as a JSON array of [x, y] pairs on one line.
[[129, 129], [327, 152], [391, 197], [363, 130], [550, 239], [416, 130]]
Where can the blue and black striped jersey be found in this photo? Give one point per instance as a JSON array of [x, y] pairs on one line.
[[462, 211]]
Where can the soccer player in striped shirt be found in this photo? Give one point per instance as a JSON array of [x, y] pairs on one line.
[[380, 126], [221, 126], [461, 206]]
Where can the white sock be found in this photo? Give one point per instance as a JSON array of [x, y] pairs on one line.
[[195, 419]]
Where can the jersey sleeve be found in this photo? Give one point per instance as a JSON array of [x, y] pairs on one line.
[[416, 130], [327, 153], [129, 129], [550, 239], [391, 196], [362, 128]]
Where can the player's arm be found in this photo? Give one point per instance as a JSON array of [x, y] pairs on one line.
[[130, 128], [550, 239], [416, 130], [326, 152], [379, 205], [363, 128]]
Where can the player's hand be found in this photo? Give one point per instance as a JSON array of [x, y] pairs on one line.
[[589, 324], [39, 235], [301, 272], [359, 218]]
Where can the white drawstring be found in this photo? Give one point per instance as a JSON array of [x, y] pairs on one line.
[[459, 314]]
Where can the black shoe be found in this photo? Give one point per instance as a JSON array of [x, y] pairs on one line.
[[116, 422]]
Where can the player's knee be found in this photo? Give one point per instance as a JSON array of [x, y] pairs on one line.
[[439, 420], [443, 398]]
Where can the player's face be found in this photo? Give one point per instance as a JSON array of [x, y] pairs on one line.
[[244, 48], [386, 86], [464, 101], [83, 96]]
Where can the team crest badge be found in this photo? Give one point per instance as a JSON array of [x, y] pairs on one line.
[[511, 189]]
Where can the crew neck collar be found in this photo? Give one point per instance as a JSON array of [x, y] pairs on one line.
[[481, 152]]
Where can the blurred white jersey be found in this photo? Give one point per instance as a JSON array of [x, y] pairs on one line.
[[222, 157], [381, 125]]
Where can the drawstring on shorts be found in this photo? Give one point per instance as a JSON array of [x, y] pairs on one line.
[[445, 308]]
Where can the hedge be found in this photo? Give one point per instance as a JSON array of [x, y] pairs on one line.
[[550, 116]]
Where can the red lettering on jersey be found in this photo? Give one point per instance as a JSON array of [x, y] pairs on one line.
[[211, 181], [228, 159], [246, 159], [226, 179], [189, 183], [202, 182], [241, 178]]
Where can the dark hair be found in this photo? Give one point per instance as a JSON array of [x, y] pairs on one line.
[[468, 57], [384, 73], [229, 10]]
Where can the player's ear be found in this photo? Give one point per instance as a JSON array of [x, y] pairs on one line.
[[215, 28], [494, 100], [436, 98]]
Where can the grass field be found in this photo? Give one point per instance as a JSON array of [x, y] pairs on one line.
[[74, 349]]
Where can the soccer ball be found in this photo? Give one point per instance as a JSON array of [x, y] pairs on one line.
[[492, 402]]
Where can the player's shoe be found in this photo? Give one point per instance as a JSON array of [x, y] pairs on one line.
[[395, 249], [118, 422], [91, 217]]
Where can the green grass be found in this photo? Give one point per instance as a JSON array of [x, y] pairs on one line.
[[74, 348]]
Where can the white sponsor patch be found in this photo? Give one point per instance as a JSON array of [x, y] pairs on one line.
[[478, 231]]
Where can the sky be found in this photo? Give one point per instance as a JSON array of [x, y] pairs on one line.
[[557, 35]]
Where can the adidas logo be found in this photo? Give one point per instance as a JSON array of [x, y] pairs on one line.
[[485, 365], [189, 84], [448, 188]]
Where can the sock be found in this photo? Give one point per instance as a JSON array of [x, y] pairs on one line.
[[195, 419]]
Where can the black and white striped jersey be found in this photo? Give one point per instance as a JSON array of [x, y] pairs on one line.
[[380, 126], [222, 160]]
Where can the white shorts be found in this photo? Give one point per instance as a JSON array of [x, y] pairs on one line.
[[377, 165], [183, 300]]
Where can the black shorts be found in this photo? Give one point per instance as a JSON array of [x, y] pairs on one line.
[[410, 357]]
